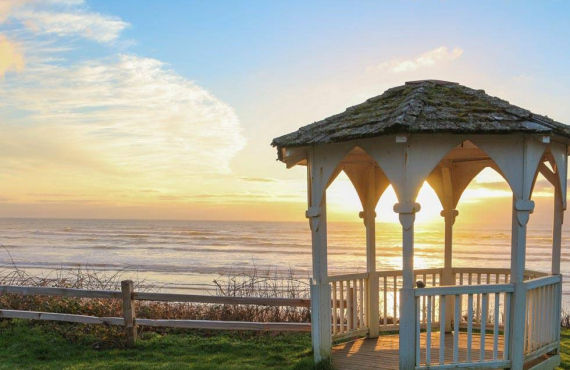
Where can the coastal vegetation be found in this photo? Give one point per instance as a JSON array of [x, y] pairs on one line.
[[252, 283], [29, 345]]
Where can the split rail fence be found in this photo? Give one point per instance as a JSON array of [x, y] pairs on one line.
[[128, 296]]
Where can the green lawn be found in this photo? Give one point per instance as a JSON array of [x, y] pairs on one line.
[[565, 349], [25, 345]]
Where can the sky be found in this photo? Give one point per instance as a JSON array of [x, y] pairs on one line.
[[166, 110]]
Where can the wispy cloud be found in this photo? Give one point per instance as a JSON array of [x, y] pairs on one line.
[[11, 58], [62, 18], [127, 113], [98, 126], [257, 179], [428, 59]]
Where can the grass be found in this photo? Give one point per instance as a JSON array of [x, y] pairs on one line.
[[27, 345], [565, 349]]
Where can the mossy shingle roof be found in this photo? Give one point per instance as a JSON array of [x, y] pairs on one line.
[[428, 106]]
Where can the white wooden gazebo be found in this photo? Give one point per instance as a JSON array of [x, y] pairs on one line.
[[443, 133]]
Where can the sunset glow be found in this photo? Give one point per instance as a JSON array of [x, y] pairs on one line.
[[100, 119]]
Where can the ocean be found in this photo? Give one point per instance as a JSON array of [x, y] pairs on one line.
[[187, 256]]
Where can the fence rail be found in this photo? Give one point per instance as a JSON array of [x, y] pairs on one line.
[[129, 320]]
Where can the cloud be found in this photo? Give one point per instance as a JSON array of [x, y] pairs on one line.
[[257, 179], [62, 18], [11, 59], [102, 128], [123, 115], [428, 59], [89, 25]]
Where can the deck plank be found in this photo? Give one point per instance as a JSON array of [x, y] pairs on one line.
[[382, 352]]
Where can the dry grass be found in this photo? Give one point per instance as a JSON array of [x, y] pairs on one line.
[[244, 284], [248, 284]]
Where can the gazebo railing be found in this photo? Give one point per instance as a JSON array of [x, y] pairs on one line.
[[349, 300], [495, 302], [349, 303], [348, 306], [542, 319], [482, 275]]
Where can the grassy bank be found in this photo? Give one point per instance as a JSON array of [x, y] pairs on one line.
[[26, 345]]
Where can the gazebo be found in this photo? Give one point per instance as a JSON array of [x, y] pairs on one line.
[[443, 133]]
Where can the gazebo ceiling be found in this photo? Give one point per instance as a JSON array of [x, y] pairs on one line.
[[428, 106]]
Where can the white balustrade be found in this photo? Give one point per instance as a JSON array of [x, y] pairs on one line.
[[542, 319], [495, 298], [478, 308], [348, 304]]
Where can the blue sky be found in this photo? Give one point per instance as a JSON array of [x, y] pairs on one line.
[[113, 107]]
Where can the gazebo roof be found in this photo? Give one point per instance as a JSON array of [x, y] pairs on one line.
[[428, 106]]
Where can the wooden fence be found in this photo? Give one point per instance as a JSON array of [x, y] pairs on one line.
[[127, 295]]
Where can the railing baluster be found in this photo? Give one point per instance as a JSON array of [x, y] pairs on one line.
[[334, 309], [551, 313], [478, 312], [395, 299], [485, 310], [350, 305], [496, 327], [354, 305], [442, 299], [428, 333], [423, 309], [418, 325], [539, 316], [361, 303], [433, 284], [535, 311], [456, 320], [469, 325], [385, 300], [506, 325], [341, 308]]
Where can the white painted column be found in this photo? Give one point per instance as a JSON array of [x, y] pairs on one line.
[[320, 288], [372, 293], [522, 208], [557, 231], [448, 278], [407, 214]]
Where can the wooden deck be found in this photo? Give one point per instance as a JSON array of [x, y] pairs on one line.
[[382, 352]]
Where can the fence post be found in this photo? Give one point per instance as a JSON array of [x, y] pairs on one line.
[[129, 312]]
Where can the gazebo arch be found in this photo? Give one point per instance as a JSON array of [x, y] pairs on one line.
[[445, 134]]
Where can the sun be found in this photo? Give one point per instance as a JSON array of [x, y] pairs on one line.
[[343, 203]]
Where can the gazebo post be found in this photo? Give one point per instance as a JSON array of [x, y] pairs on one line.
[[407, 215], [369, 218], [320, 288], [557, 230], [449, 214], [448, 277], [521, 212]]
